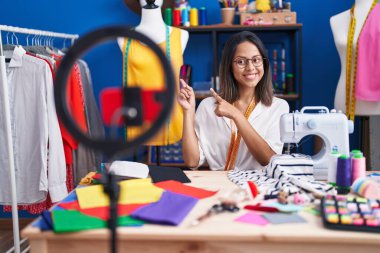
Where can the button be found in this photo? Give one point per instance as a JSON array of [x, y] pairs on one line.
[[312, 124], [333, 218]]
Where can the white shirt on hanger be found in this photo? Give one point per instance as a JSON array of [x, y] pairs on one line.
[[37, 142], [214, 134]]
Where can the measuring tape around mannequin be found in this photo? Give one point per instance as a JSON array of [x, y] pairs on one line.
[[350, 93]]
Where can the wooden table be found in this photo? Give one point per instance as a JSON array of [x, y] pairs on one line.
[[216, 234]]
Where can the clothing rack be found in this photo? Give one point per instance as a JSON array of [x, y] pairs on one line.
[[5, 99]]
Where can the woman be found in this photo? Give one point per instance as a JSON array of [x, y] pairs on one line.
[[238, 129]]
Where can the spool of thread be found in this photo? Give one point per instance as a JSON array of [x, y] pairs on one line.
[[168, 16], [358, 166], [343, 172], [185, 17], [177, 17], [202, 15], [355, 151], [289, 84], [332, 168], [193, 17]]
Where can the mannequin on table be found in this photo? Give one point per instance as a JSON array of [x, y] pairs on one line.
[[340, 25], [141, 66]]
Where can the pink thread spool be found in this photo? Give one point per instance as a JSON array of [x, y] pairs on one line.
[[358, 166]]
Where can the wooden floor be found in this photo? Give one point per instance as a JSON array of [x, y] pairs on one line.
[[6, 234]]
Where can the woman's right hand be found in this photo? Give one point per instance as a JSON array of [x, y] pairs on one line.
[[186, 97]]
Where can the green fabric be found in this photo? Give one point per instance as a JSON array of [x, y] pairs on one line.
[[72, 221], [128, 221]]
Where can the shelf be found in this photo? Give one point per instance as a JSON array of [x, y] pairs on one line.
[[234, 28]]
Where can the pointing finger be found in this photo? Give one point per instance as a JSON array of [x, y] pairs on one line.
[[183, 84], [216, 96]]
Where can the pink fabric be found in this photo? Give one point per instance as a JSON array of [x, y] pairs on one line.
[[368, 65]]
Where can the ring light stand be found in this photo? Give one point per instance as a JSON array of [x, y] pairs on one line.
[[110, 147]]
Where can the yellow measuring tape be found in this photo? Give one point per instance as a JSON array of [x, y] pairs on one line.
[[235, 139], [350, 93]]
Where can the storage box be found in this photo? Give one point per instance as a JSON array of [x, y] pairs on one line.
[[268, 18]]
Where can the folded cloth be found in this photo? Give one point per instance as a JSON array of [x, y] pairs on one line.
[[171, 209], [290, 173]]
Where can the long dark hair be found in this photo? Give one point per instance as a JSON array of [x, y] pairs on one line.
[[228, 84]]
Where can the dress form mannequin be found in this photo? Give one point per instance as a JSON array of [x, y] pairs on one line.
[[140, 66], [340, 24], [153, 25]]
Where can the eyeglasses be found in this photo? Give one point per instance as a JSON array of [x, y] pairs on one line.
[[241, 62]]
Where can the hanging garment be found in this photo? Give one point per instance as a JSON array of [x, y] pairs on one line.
[[75, 101], [37, 141], [145, 70], [86, 159], [38, 208], [368, 62]]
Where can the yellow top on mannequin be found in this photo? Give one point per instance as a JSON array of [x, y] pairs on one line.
[[145, 70]]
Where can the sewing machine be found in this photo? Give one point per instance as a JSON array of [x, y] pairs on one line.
[[333, 127]]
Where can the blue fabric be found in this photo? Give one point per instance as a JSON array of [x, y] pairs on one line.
[[45, 222], [71, 197]]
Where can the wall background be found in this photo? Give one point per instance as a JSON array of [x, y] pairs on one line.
[[321, 66]]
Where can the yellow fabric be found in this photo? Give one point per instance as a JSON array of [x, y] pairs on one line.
[[92, 196], [135, 191], [145, 71], [139, 191], [87, 180]]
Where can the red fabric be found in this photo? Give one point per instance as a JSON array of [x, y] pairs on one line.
[[181, 188], [101, 212]]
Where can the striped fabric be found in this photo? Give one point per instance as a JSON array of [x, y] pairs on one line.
[[290, 173]]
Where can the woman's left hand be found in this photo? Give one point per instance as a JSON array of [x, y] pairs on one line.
[[223, 108]]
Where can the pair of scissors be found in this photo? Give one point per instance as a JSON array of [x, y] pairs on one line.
[[224, 206]]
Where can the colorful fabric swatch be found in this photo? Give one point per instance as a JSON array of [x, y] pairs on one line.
[[139, 191], [72, 220], [284, 208], [92, 196], [101, 212], [135, 191], [71, 197], [181, 188], [252, 218], [171, 209], [281, 218]]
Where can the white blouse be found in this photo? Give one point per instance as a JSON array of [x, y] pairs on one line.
[[214, 133]]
